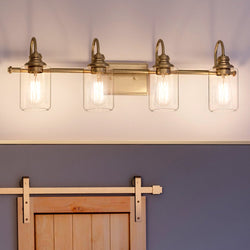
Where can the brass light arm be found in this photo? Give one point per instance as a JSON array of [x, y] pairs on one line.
[[97, 44], [159, 42], [98, 64], [193, 72], [115, 71], [17, 70], [216, 50], [35, 64], [33, 46], [180, 72], [51, 70], [162, 64], [222, 63], [68, 70], [133, 71]]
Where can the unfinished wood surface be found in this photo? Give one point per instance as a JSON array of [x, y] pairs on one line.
[[81, 204], [63, 232], [119, 231], [44, 232], [82, 232], [100, 232]]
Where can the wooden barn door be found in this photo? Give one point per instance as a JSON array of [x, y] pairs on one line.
[[82, 223]]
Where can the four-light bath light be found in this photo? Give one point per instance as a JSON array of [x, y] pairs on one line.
[[99, 81]]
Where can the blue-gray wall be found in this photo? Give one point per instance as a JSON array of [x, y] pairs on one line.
[[206, 200]]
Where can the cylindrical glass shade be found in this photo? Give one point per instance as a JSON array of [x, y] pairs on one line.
[[35, 91], [164, 92], [223, 92], [98, 92]]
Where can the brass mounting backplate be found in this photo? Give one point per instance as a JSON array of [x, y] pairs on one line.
[[130, 84]]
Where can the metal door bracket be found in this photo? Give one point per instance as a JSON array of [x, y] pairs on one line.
[[137, 190], [26, 199], [138, 199]]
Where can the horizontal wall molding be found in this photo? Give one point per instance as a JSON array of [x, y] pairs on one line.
[[27, 142]]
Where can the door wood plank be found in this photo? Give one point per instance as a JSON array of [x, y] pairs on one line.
[[82, 232], [119, 232], [81, 204], [100, 232], [44, 232], [63, 232]]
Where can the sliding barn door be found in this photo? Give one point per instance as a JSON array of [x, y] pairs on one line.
[[82, 223]]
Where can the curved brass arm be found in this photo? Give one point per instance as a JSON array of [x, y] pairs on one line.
[[216, 49], [162, 64], [98, 63], [222, 63], [159, 42], [95, 42], [35, 63], [33, 45]]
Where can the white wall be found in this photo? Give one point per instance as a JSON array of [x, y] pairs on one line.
[[127, 30]]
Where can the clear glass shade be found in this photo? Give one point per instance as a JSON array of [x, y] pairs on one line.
[[164, 92], [35, 91], [223, 92], [98, 92]]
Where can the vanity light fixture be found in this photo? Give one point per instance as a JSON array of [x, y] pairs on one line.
[[104, 80]]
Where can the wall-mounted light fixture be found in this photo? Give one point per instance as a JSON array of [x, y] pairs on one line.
[[164, 84], [223, 86], [102, 81], [35, 82], [98, 85]]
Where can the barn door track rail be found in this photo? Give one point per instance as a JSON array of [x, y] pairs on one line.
[[137, 190]]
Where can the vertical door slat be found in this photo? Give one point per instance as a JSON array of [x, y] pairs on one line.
[[44, 232], [119, 232], [82, 232], [63, 232], [100, 232]]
